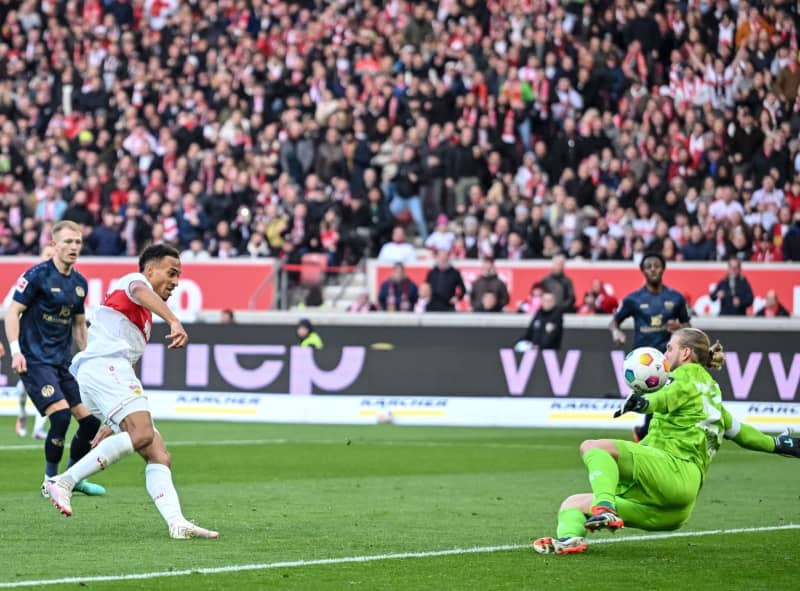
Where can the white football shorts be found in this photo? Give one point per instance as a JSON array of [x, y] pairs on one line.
[[110, 389]]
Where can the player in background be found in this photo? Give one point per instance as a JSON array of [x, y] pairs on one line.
[[45, 315], [117, 338], [21, 425], [657, 312], [654, 485]]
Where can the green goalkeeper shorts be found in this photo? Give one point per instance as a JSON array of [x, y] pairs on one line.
[[662, 493]]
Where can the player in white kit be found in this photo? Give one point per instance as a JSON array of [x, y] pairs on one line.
[[110, 389]]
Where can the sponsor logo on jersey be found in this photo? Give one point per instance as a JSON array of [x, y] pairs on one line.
[[48, 390], [55, 289], [669, 305], [644, 305]]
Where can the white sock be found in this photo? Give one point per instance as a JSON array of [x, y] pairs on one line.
[[101, 457], [163, 493], [23, 399], [39, 422]]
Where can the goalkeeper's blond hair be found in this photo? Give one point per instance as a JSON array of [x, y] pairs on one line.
[[703, 352]]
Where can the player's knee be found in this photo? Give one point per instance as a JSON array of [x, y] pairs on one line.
[[606, 445], [59, 423], [587, 445]]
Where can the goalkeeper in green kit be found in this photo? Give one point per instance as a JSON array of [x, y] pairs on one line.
[[653, 485]]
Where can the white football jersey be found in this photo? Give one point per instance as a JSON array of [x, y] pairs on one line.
[[120, 327]]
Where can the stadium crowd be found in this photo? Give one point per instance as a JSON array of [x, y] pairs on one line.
[[509, 128]]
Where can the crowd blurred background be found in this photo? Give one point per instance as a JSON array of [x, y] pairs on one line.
[[509, 129]]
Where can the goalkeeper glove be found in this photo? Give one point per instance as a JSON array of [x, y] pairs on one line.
[[787, 444], [635, 403]]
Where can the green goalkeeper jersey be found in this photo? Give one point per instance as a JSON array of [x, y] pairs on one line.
[[689, 421]]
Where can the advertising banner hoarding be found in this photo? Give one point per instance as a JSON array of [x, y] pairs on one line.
[[437, 361], [205, 285], [589, 413]]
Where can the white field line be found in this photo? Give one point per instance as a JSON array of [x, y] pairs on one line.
[[234, 568], [344, 441]]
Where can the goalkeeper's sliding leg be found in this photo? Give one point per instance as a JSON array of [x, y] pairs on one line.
[[619, 498]]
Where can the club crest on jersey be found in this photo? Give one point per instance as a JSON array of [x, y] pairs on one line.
[[80, 291], [22, 283], [47, 391]]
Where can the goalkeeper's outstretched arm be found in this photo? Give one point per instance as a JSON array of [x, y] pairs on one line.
[[749, 437]]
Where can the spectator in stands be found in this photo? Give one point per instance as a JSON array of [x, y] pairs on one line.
[[442, 238], [560, 286], [489, 282], [227, 317], [699, 247], [362, 304], [772, 307], [734, 292], [8, 244], [546, 328], [447, 286], [689, 109], [398, 293], [791, 240], [407, 183], [602, 297], [398, 250], [379, 220], [195, 252], [78, 210], [105, 239], [424, 298], [533, 302], [764, 247], [587, 307], [192, 221]]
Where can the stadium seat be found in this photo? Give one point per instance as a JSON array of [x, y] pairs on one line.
[[315, 264]]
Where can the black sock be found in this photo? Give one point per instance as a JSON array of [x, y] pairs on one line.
[[54, 444], [82, 441]]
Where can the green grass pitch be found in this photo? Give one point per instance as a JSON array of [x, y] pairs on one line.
[[285, 496]]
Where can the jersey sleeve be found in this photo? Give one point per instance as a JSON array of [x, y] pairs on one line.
[[624, 311], [126, 284], [81, 307], [27, 287], [747, 436]]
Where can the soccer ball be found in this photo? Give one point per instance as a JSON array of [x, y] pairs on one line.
[[645, 369]]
